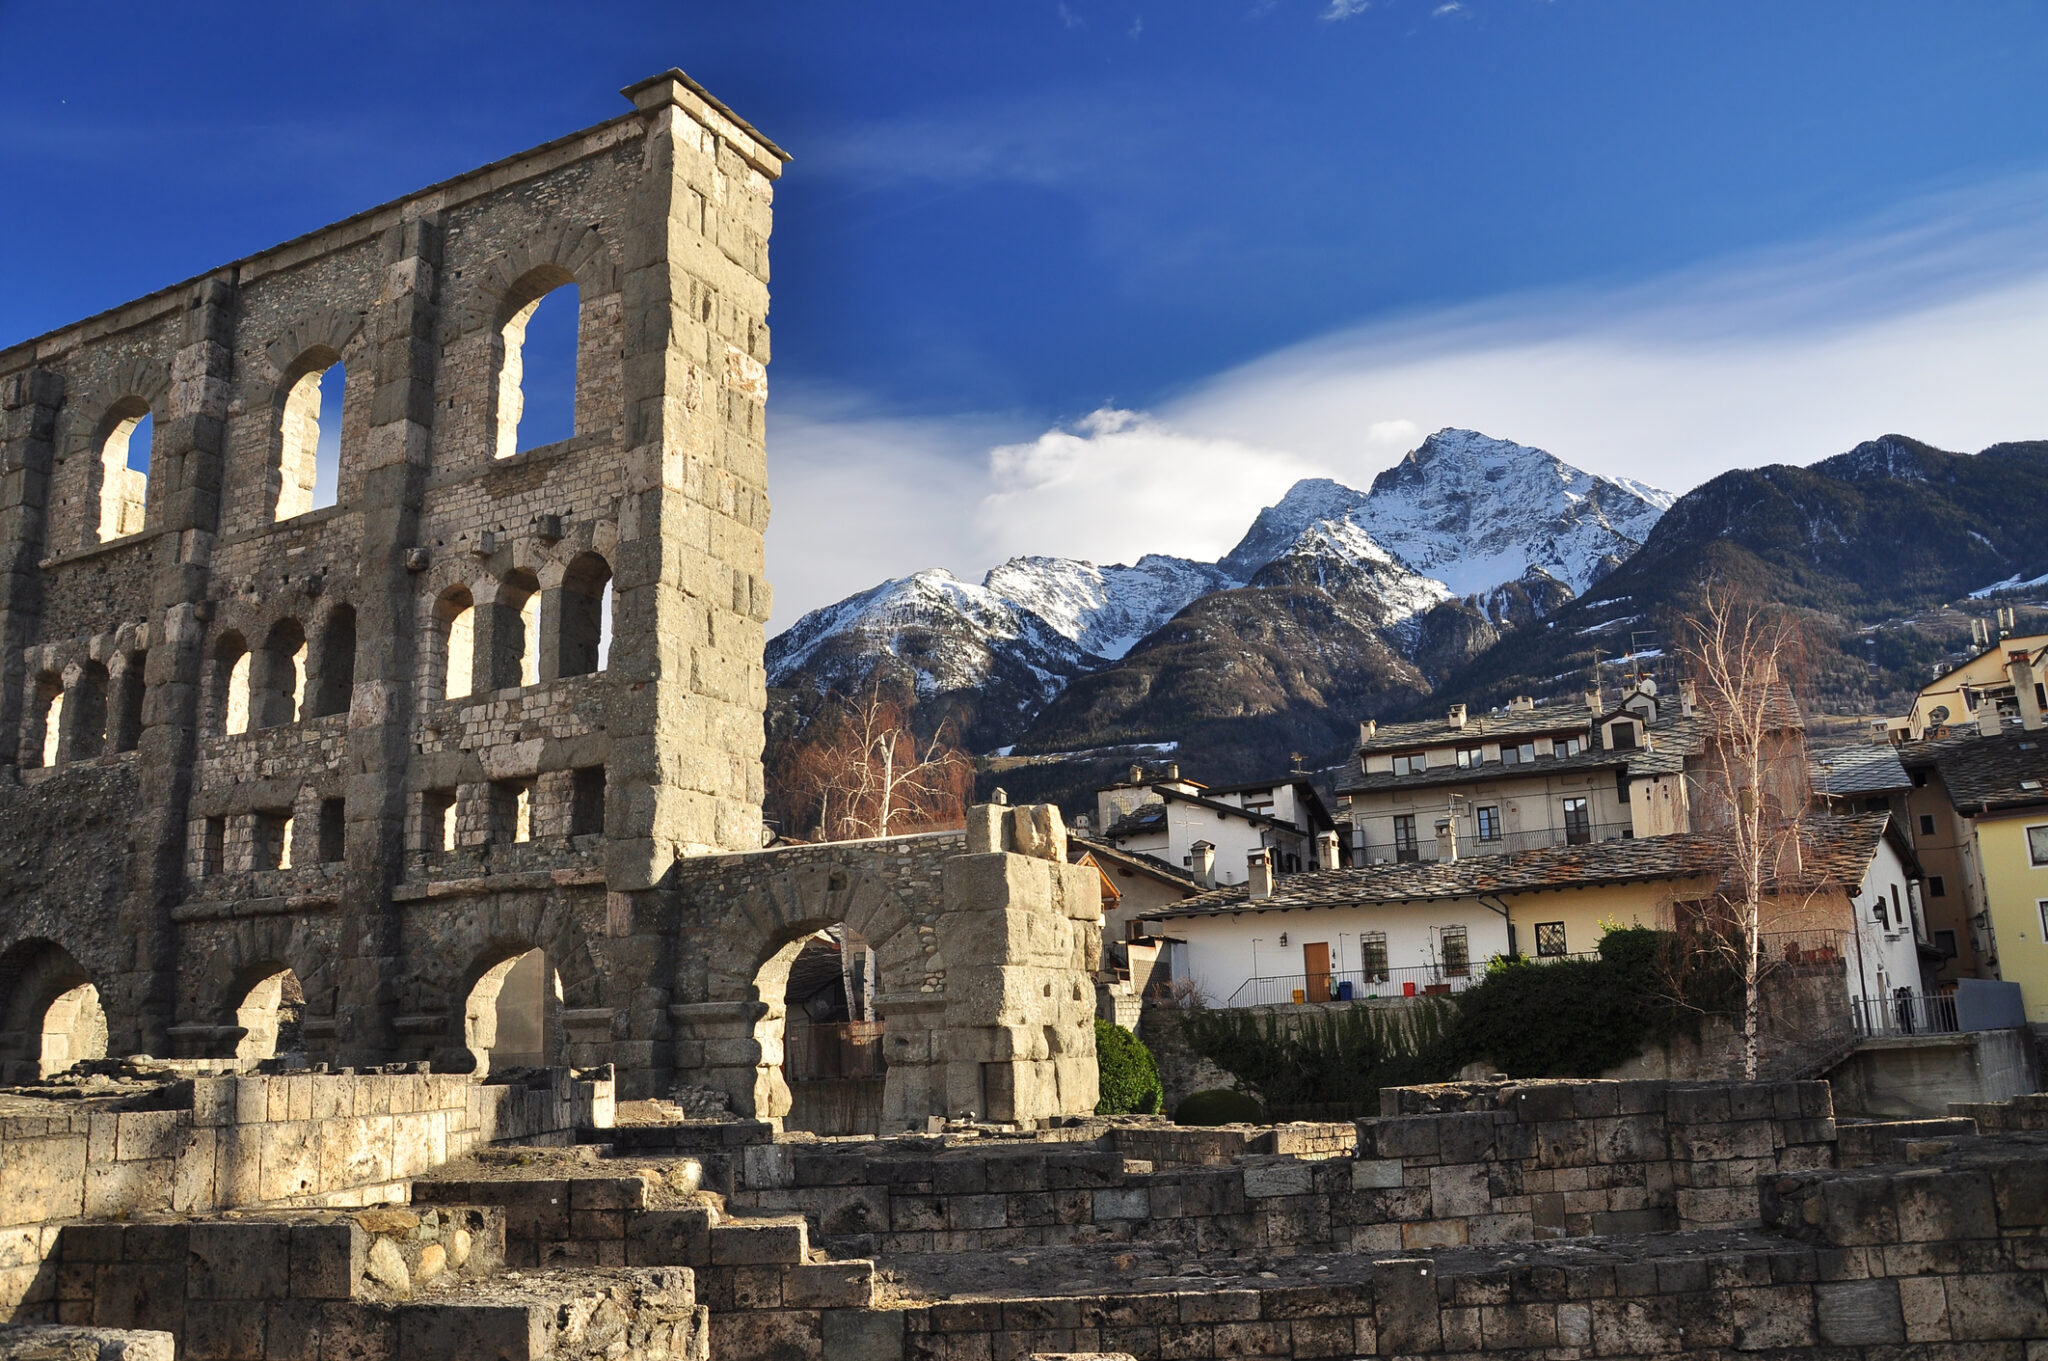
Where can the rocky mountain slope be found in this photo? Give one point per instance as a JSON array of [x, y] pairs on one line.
[[994, 655]]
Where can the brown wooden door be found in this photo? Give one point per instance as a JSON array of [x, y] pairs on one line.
[[1315, 962]]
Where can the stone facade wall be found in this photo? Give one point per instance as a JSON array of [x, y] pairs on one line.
[[164, 887]]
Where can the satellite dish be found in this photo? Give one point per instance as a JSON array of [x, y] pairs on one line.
[[1938, 714]]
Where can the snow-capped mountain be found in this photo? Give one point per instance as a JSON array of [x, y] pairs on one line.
[[1105, 610], [953, 634], [1462, 515], [1473, 512]]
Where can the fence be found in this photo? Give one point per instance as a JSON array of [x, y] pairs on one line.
[[1506, 843], [1354, 985], [1906, 1014]]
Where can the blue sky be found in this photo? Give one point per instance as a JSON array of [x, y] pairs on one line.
[[1098, 278]]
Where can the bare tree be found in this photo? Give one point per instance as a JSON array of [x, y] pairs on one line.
[[1749, 786], [862, 770]]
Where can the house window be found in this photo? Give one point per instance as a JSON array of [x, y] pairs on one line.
[[2043, 906], [1372, 949], [1550, 940], [2037, 845], [1578, 826], [1927, 824], [1404, 838], [1568, 746], [1413, 764], [1621, 737], [1518, 756], [1469, 757], [1945, 943], [1457, 954], [1489, 823], [1919, 779], [1937, 887]]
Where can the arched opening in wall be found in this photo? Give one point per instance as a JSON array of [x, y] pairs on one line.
[[231, 685], [125, 444], [452, 658], [279, 693], [50, 1013], [85, 714], [124, 723], [514, 1015], [334, 669], [270, 1015], [515, 650], [830, 1038], [45, 724], [537, 344], [584, 634], [309, 456]]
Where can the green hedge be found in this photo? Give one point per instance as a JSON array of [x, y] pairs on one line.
[[1573, 1018], [1130, 1078]]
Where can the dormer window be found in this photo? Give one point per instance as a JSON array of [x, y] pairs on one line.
[[1622, 736], [1469, 757], [1517, 756], [1413, 764], [1568, 746]]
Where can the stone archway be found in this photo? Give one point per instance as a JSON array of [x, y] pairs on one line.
[[738, 1028], [512, 1017], [50, 1012]]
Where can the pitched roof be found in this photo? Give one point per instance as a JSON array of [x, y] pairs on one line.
[[1389, 737], [1146, 817], [1866, 768], [1838, 849], [1987, 774], [1672, 740], [1135, 861]]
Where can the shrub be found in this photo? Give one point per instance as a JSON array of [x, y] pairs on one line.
[[1334, 1059], [1130, 1079], [1219, 1106]]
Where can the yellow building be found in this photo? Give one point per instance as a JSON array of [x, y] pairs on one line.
[[2001, 681], [1999, 788]]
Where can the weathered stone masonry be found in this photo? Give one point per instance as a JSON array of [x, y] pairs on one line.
[[143, 856]]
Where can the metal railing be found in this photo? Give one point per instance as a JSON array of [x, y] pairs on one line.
[[1506, 843], [1354, 985], [1907, 1014]]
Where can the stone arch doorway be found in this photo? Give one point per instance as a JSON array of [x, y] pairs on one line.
[[828, 1030], [733, 1040], [513, 1016], [270, 1014], [50, 1012]]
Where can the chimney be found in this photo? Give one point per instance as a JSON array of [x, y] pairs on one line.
[[1457, 716], [2021, 668], [1172, 771], [1326, 850], [1366, 731], [1593, 699], [1202, 858], [1137, 774], [1258, 866], [1987, 716], [1446, 839], [1521, 704], [1688, 698]]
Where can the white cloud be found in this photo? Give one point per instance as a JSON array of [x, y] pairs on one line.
[[1344, 9], [1443, 11], [1932, 325]]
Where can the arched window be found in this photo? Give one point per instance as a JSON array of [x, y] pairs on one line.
[[514, 1015], [334, 669], [50, 1015], [451, 661], [124, 469], [536, 394], [515, 632], [85, 714], [280, 690], [124, 725], [583, 632], [309, 461], [231, 684], [46, 721], [269, 1015]]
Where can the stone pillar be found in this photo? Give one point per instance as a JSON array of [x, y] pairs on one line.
[[360, 1027], [186, 456], [28, 426], [1021, 933], [689, 599]]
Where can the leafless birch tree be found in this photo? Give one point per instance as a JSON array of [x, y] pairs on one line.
[[1749, 785], [863, 771]]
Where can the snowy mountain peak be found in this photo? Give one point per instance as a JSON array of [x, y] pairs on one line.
[[1104, 610]]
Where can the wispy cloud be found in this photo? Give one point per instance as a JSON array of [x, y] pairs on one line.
[[1344, 9], [1446, 10], [1070, 19], [1929, 322]]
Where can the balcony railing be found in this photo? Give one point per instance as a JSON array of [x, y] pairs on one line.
[[1912, 1014], [1504, 844], [1359, 985]]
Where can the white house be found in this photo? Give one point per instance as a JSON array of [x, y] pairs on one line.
[[1210, 832]]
